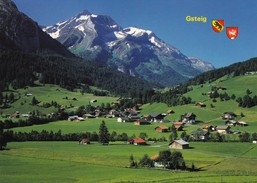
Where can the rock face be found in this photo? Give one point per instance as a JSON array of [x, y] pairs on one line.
[[19, 32], [131, 50]]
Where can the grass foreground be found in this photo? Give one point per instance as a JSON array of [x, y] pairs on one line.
[[71, 162]]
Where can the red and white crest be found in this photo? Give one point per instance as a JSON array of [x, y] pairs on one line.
[[232, 32]]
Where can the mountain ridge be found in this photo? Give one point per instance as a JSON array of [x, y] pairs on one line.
[[132, 50], [21, 33]]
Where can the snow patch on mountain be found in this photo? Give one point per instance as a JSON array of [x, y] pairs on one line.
[[136, 31], [120, 34], [55, 35], [83, 17], [152, 39]]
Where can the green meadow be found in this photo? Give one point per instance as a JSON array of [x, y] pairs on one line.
[[71, 162]]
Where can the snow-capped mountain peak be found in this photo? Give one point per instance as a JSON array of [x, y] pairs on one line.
[[130, 50]]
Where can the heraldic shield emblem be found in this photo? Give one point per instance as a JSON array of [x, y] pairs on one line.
[[232, 32], [218, 25]]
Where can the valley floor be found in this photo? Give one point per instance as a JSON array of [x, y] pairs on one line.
[[71, 162]]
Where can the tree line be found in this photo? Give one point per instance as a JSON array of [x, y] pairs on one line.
[[19, 69], [237, 69]]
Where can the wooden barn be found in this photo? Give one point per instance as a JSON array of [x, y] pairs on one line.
[[161, 129], [179, 144]]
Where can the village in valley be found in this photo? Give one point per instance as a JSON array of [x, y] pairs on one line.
[[164, 128]]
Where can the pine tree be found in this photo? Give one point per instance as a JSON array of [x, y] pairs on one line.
[[104, 136], [173, 135], [2, 138], [34, 101]]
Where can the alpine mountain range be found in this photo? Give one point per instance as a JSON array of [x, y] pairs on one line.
[[130, 50]]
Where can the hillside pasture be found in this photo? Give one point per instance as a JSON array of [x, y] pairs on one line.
[[48, 93]]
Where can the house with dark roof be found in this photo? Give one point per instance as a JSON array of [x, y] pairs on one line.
[[223, 129], [189, 118], [179, 144], [158, 117], [135, 118], [220, 88], [75, 118], [200, 104], [229, 115], [242, 123], [124, 119], [200, 135]]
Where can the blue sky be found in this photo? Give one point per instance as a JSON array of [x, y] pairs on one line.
[[167, 19]]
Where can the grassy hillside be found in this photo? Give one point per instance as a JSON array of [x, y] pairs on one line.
[[49, 93]]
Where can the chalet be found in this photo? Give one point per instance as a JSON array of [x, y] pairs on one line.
[[75, 118], [25, 115], [81, 119], [170, 111], [142, 122], [137, 141], [189, 118], [210, 93], [124, 119], [155, 157], [116, 103], [208, 128], [242, 123], [223, 129], [114, 113], [200, 104], [146, 116], [229, 115], [236, 123], [157, 117], [157, 163], [231, 123], [135, 118], [88, 116], [161, 129], [84, 141], [165, 121], [131, 112], [178, 144], [15, 115], [220, 88], [93, 101], [179, 125], [200, 135]]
